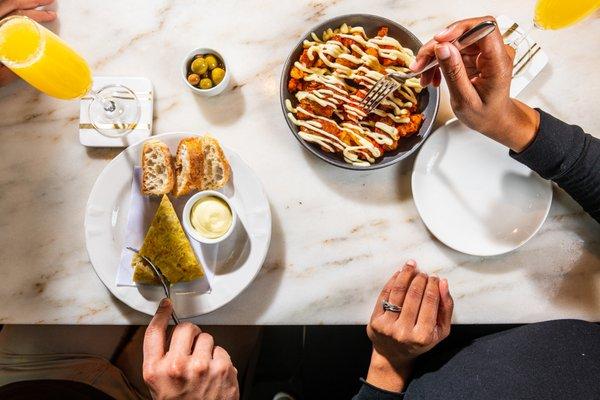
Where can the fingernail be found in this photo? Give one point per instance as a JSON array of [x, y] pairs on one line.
[[165, 302], [413, 65], [442, 51], [442, 33], [411, 263]]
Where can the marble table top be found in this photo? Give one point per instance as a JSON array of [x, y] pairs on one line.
[[337, 235]]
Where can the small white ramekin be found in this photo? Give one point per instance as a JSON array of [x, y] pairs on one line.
[[187, 223], [213, 91]]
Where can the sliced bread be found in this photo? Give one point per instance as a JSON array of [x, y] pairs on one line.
[[158, 176], [188, 166], [216, 169]]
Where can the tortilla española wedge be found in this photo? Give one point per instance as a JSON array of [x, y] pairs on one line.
[[167, 246]]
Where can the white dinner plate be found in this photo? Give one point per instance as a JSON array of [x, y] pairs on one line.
[[473, 196], [106, 220]]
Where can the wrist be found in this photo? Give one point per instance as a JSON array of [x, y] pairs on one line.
[[520, 127], [529, 127], [383, 375]]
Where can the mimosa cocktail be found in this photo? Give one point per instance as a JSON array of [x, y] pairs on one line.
[[558, 14], [46, 62], [553, 14]]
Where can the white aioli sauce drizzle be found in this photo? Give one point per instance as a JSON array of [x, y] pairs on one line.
[[362, 68]]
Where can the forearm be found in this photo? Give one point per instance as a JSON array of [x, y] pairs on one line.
[[568, 156]]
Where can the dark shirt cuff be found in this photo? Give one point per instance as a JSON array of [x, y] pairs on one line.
[[370, 392], [568, 156], [554, 149]]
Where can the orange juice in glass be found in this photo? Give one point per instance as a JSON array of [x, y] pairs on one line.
[[44, 60], [47, 63], [550, 15], [558, 14]]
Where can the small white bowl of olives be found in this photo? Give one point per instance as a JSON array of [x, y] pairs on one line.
[[204, 72]]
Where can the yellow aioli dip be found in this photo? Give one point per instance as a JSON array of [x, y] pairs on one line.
[[211, 217]]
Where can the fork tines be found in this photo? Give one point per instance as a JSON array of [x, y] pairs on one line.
[[382, 88]]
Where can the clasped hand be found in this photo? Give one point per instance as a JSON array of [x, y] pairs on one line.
[[399, 338]]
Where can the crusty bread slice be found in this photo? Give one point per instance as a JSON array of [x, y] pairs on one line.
[[188, 166], [158, 176], [216, 171]]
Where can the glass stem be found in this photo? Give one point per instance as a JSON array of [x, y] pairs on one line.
[[108, 105], [526, 31]]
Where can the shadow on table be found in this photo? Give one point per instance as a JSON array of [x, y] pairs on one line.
[[224, 109], [258, 296], [574, 284], [103, 153], [578, 287], [492, 265], [548, 104], [381, 186]]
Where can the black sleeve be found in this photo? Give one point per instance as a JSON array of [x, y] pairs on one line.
[[370, 392], [568, 156]]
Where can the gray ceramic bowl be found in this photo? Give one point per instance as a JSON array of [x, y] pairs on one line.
[[428, 103]]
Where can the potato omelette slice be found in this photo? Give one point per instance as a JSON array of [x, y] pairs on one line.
[[167, 246]]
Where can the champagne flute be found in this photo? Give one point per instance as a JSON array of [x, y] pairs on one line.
[[557, 14], [47, 63]]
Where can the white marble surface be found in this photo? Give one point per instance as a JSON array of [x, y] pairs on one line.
[[337, 235]]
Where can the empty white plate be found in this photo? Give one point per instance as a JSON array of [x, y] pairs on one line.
[[473, 196]]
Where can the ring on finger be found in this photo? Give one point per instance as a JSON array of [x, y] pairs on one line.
[[387, 306]]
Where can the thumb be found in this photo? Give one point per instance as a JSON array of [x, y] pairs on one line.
[[156, 333], [6, 75], [445, 309], [461, 89]]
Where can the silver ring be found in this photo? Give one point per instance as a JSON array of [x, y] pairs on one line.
[[387, 306]]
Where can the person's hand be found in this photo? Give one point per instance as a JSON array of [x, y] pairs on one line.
[[191, 368], [479, 84], [6, 75], [399, 338], [27, 8]]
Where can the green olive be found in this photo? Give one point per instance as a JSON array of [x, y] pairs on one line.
[[211, 61], [193, 79], [206, 83], [199, 66], [217, 75]]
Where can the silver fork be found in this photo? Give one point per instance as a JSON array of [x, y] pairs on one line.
[[392, 81], [163, 280]]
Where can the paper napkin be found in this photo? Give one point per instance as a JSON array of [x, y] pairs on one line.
[[141, 212]]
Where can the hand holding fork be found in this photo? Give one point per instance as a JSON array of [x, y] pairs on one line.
[[390, 82], [479, 84]]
